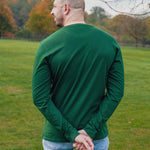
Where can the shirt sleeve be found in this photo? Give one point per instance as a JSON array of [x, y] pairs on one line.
[[41, 87], [115, 91]]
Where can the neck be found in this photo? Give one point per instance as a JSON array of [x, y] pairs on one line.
[[74, 22], [74, 19]]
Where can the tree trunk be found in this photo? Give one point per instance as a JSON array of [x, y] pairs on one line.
[[136, 42], [143, 43]]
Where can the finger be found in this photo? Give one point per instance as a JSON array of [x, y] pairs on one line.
[[74, 144], [85, 140], [83, 132], [86, 144], [81, 147], [88, 140], [78, 146]]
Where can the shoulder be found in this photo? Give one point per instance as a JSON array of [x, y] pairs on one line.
[[103, 33], [53, 38], [102, 37], [51, 43], [106, 41]]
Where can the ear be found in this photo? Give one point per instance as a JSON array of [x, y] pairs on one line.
[[67, 9]]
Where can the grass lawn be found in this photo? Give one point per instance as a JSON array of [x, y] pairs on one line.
[[21, 124]]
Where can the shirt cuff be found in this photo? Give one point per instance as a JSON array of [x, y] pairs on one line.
[[73, 135], [90, 131]]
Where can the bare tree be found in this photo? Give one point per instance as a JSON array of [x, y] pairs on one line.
[[129, 7]]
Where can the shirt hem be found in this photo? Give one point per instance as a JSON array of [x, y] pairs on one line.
[[98, 137]]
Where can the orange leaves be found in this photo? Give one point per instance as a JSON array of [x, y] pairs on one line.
[[7, 22], [40, 19]]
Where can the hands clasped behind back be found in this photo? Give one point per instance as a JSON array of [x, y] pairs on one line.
[[83, 141]]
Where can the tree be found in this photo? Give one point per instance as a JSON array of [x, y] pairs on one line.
[[128, 29], [136, 28], [148, 27], [21, 10], [117, 25], [133, 7], [40, 20], [97, 15], [144, 31], [7, 23]]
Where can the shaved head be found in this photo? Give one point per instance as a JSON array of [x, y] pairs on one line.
[[67, 12], [76, 4]]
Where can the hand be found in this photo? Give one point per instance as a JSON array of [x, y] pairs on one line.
[[80, 146], [84, 133], [83, 141]]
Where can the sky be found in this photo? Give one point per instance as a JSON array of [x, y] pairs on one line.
[[91, 3], [123, 5]]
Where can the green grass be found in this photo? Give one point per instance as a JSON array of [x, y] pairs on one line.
[[21, 124]]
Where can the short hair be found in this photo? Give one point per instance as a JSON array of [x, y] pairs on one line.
[[77, 4]]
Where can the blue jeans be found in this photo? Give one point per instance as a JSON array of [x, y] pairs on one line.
[[102, 144]]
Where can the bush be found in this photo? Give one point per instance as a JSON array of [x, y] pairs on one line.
[[23, 33]]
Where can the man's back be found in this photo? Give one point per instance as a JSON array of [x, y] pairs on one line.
[[79, 58]]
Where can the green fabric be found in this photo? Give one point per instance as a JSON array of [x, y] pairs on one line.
[[78, 81]]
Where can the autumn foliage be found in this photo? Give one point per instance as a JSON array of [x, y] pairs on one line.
[[7, 23], [31, 19], [40, 20]]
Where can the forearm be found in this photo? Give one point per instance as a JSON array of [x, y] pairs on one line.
[[105, 111], [54, 116], [115, 91], [41, 87]]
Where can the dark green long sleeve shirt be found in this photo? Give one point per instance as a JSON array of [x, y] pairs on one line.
[[78, 81]]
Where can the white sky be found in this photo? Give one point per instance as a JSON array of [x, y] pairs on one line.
[[123, 5]]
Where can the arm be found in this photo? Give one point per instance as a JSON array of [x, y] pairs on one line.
[[115, 90], [41, 86]]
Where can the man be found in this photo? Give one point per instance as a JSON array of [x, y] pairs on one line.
[[78, 81]]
